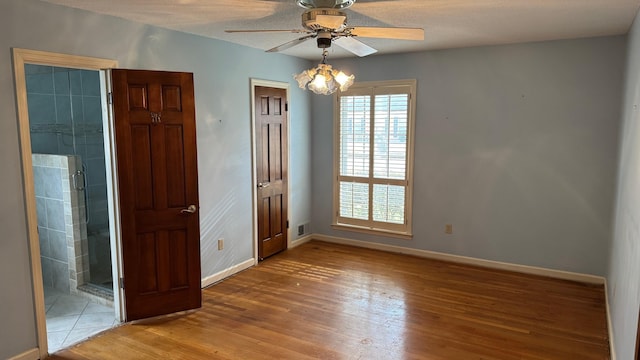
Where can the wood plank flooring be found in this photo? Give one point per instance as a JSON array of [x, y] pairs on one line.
[[328, 301]]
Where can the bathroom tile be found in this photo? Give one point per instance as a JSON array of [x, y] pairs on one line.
[[43, 237], [35, 159], [42, 109], [67, 305], [96, 172], [76, 197], [63, 112], [55, 339], [30, 69], [59, 323], [75, 216], [91, 83], [102, 319], [81, 137], [61, 82], [41, 211], [95, 148], [66, 195], [64, 324], [61, 161], [100, 219], [50, 298], [58, 245], [51, 294], [47, 272], [40, 82], [60, 275], [44, 143], [38, 180], [65, 144], [86, 263], [79, 279], [52, 183], [92, 110], [77, 108], [93, 308], [55, 214], [75, 79], [78, 335], [70, 255], [78, 262]]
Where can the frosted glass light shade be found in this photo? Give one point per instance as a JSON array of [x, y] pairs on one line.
[[324, 80]]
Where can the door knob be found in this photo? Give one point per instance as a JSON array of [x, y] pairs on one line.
[[191, 209], [263, 185]]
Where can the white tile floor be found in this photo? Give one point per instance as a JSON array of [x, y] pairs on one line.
[[71, 318]]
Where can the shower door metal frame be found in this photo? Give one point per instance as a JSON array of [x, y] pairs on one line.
[[20, 58]]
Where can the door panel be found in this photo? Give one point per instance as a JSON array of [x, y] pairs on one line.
[[271, 147], [154, 117], [141, 152], [176, 195]]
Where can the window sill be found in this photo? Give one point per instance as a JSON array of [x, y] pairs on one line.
[[378, 232]]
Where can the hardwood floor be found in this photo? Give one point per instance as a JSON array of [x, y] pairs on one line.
[[327, 301]]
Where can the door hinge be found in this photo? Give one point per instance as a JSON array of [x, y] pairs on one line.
[[110, 98], [287, 224], [121, 283], [286, 106]]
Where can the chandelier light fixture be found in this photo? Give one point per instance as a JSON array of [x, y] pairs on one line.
[[323, 79]]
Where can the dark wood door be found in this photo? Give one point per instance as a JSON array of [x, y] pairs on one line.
[[271, 156], [155, 131]]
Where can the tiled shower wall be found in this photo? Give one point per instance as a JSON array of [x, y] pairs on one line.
[[61, 222], [65, 117]]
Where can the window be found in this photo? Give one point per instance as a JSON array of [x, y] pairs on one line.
[[374, 162]]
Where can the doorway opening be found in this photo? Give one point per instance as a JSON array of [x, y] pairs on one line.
[[67, 146], [70, 183], [66, 157]]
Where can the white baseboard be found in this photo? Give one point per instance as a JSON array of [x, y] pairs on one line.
[[612, 349], [212, 279], [300, 241], [558, 274], [32, 354]]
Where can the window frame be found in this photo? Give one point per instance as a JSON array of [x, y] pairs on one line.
[[370, 226]]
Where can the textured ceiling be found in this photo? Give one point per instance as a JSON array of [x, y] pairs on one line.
[[447, 23]]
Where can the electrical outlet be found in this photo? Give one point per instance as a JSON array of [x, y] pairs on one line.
[[220, 244], [448, 229]]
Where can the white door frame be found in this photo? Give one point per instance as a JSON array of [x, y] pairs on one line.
[[254, 170], [20, 58]]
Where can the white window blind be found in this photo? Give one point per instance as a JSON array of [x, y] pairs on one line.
[[374, 160]]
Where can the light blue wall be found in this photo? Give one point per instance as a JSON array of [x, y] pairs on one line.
[[222, 73], [623, 278], [515, 146]]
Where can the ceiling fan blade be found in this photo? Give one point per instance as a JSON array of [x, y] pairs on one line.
[[357, 47], [331, 21], [291, 43], [295, 31], [389, 33]]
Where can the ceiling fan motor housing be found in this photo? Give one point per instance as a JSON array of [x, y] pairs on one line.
[[335, 4], [310, 18]]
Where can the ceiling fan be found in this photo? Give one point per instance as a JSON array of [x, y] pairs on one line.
[[325, 21]]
